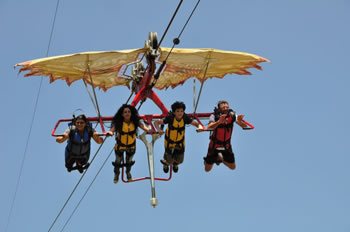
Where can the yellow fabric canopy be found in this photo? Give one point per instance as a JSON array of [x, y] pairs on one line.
[[105, 67], [204, 63]]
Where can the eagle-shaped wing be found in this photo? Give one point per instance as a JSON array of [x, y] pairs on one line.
[[202, 64], [103, 67]]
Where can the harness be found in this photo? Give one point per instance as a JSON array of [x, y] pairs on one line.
[[221, 136], [175, 134], [78, 144], [126, 137]]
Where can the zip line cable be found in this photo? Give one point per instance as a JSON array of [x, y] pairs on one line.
[[176, 41], [127, 101], [31, 124], [82, 198], [169, 24], [167, 28], [76, 186], [194, 9], [183, 28]]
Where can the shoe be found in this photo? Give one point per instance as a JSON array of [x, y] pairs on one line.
[[219, 159], [175, 168], [165, 166], [128, 176], [87, 165], [81, 169], [116, 178]]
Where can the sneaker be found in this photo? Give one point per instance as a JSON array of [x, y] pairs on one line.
[[175, 168], [128, 176], [165, 166], [80, 168], [116, 178]]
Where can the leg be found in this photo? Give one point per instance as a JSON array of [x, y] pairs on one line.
[[231, 166], [117, 164], [229, 158], [68, 161], [210, 159], [129, 162], [178, 157], [167, 160], [208, 167], [86, 157], [82, 162]]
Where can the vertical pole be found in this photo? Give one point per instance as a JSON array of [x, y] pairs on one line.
[[150, 156]]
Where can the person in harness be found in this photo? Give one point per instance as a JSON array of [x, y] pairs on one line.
[[79, 136], [124, 124], [220, 149], [174, 141]]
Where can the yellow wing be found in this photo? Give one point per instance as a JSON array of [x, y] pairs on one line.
[[203, 64], [104, 67]]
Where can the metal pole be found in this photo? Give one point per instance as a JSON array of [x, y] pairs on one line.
[[150, 156]]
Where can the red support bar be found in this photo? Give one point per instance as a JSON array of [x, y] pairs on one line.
[[154, 97], [146, 117], [56, 126], [251, 126], [147, 177]]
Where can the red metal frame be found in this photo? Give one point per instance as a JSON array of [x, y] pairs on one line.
[[146, 87], [146, 117], [147, 177]]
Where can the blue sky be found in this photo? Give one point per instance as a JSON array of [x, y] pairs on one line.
[[292, 170]]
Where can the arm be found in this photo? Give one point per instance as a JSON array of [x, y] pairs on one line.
[[143, 127], [110, 132], [64, 137], [97, 138], [197, 124], [157, 126], [240, 121], [213, 124]]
